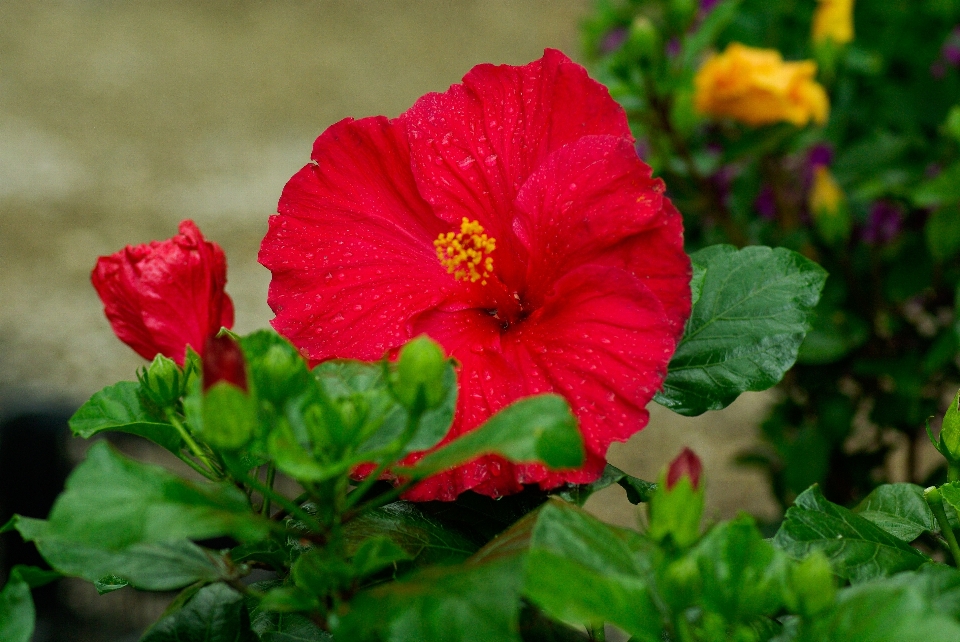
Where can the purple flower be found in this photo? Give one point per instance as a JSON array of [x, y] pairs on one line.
[[612, 41], [820, 155], [883, 223], [766, 203], [707, 5], [673, 47]]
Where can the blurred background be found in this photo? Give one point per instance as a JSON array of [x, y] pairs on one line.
[[120, 118]]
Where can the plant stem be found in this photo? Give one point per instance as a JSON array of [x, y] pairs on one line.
[[271, 475], [380, 500], [283, 512], [197, 467], [358, 492], [413, 420], [935, 502], [282, 501], [953, 472], [189, 440], [661, 111], [597, 633]]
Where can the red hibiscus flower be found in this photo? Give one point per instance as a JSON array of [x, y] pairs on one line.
[[163, 296], [511, 220]]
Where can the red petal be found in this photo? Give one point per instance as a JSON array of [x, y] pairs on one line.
[[686, 464], [474, 146], [656, 257], [161, 297], [585, 199], [352, 250], [601, 339]]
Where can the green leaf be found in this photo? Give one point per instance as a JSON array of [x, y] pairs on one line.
[[741, 573], [109, 583], [539, 429], [884, 612], [579, 569], [746, 328], [715, 22], [943, 233], [950, 493], [943, 189], [638, 490], [17, 613], [118, 408], [939, 585], [384, 419], [858, 549], [377, 553], [475, 602], [900, 510], [217, 613], [272, 626], [419, 535], [152, 567], [112, 502]]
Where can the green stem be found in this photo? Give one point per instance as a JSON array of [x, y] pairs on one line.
[[189, 440], [371, 479], [283, 512], [953, 472], [935, 502], [197, 467], [271, 475], [597, 633], [413, 421], [380, 500], [280, 500]]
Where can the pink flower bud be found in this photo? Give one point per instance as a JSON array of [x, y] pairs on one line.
[[223, 361], [686, 464], [163, 296]]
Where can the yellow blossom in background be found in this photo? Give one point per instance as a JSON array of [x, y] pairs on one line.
[[757, 87], [828, 206], [833, 20]]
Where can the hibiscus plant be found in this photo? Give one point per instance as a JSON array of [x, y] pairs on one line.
[[830, 128], [473, 301]]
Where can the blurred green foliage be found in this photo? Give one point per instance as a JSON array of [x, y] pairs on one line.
[[881, 355]]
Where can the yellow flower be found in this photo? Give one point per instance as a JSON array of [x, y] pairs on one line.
[[828, 206], [833, 20], [757, 87]]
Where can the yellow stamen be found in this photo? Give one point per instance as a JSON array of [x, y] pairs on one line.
[[466, 255]]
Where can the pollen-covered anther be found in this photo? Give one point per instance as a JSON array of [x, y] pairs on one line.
[[466, 254]]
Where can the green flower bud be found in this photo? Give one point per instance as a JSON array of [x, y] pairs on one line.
[[812, 588], [419, 374], [677, 505], [229, 416], [683, 11], [161, 382], [643, 41]]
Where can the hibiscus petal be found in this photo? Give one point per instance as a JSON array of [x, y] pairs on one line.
[[584, 199], [474, 146], [601, 339], [351, 250], [656, 257], [182, 296]]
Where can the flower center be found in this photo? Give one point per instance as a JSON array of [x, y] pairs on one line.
[[466, 254]]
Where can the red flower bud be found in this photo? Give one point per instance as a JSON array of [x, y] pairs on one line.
[[163, 296], [687, 464], [223, 361]]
